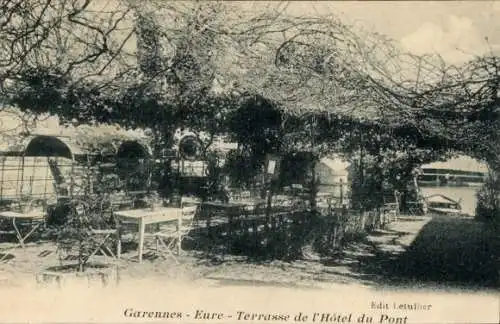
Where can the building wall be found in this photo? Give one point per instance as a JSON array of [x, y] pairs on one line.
[[333, 182]]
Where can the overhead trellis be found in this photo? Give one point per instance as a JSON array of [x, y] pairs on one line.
[[84, 141], [75, 163]]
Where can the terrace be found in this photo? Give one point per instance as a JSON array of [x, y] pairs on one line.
[[109, 186]]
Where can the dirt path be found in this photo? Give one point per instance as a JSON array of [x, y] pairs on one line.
[[369, 262], [439, 252]]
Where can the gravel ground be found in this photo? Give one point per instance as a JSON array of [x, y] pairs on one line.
[[389, 258]]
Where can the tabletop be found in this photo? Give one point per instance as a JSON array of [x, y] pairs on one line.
[[223, 204], [27, 215], [159, 214], [231, 204]]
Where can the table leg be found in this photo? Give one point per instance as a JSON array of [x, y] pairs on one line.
[[34, 228], [118, 239], [142, 229], [18, 234], [179, 234], [230, 227]]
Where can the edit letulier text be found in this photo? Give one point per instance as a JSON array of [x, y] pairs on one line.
[[400, 306]]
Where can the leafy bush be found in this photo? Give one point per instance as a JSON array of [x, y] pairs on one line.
[[75, 221], [75, 236], [488, 202], [242, 168]]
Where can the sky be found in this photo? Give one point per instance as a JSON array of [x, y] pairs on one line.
[[457, 30]]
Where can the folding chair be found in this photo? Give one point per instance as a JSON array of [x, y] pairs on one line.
[[390, 210], [171, 235], [24, 224], [103, 241], [99, 241], [191, 205], [123, 202], [414, 208]]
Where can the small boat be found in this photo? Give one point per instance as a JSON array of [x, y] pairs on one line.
[[442, 204]]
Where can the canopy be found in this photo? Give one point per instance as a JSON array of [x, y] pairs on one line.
[[83, 142]]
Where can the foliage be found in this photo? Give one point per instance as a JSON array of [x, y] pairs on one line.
[[488, 200], [242, 167], [296, 168], [76, 37], [383, 159], [74, 221], [377, 177], [318, 66], [275, 82], [256, 125], [76, 235]]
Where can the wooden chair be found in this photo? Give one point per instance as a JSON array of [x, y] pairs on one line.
[[414, 208], [190, 205], [98, 240], [171, 235], [391, 211], [122, 202]]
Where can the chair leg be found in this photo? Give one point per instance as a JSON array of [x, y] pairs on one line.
[[107, 252], [94, 252], [159, 246], [167, 249], [103, 248]]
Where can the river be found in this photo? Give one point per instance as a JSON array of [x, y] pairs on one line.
[[467, 194]]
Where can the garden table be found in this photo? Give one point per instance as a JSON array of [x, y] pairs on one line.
[[234, 204], [35, 219], [225, 210], [229, 210], [143, 217], [227, 214]]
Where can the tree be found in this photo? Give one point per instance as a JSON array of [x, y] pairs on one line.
[[78, 38], [102, 80], [195, 60]]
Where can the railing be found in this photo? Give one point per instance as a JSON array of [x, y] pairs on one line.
[[289, 227]]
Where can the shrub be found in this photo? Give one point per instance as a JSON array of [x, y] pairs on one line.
[[75, 235], [488, 202]]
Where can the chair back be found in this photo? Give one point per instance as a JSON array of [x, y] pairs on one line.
[[190, 207], [122, 201], [246, 194]]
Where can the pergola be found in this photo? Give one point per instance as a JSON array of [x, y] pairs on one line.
[[50, 166]]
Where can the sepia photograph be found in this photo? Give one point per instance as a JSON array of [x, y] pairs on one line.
[[249, 161]]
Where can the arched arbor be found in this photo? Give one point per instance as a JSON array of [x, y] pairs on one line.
[[51, 167]]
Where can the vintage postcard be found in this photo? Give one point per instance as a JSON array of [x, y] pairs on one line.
[[249, 162]]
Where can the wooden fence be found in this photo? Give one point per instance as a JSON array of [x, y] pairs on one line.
[[285, 233]]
